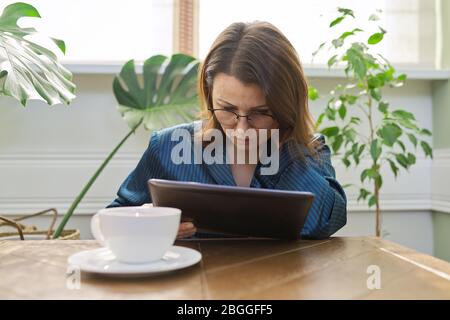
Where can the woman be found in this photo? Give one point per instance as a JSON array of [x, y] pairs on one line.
[[250, 81]]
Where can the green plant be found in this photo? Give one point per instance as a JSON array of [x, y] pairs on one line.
[[167, 97], [381, 132], [28, 70]]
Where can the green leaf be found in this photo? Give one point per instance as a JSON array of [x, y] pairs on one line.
[[389, 73], [363, 193], [400, 143], [32, 71], [374, 17], [364, 174], [336, 21], [332, 61], [330, 113], [402, 160], [337, 43], [346, 162], [354, 152], [168, 96], [60, 43], [372, 201], [319, 120], [351, 99], [350, 134], [361, 149], [426, 148], [330, 131], [393, 166], [375, 150], [371, 173], [346, 12], [425, 132], [411, 158], [318, 49], [355, 120], [376, 37], [402, 77], [13, 12], [337, 142], [374, 82], [357, 152], [342, 111], [402, 114], [390, 133], [349, 33], [356, 61], [381, 76], [176, 68], [313, 94], [409, 124], [383, 106], [375, 93], [412, 138]]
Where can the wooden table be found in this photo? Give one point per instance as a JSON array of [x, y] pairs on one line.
[[236, 269]]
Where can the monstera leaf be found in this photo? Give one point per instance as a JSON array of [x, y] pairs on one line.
[[28, 70], [167, 96]]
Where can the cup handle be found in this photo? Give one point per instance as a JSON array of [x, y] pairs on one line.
[[95, 229], [147, 205]]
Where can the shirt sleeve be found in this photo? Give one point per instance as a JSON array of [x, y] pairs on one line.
[[328, 212], [134, 190]]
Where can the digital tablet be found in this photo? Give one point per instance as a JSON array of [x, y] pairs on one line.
[[235, 210]]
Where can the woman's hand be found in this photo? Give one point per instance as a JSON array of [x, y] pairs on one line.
[[185, 230]]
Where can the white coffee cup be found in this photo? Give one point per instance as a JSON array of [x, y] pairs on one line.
[[136, 234]]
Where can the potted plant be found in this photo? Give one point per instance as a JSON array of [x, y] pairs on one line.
[[168, 97], [30, 71], [391, 141]]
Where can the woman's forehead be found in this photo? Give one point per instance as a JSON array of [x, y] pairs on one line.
[[228, 89]]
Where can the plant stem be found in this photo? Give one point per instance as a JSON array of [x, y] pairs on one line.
[[90, 182], [376, 189], [378, 213]]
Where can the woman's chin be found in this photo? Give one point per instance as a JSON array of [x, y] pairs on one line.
[[244, 144]]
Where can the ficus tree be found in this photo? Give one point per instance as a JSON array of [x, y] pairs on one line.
[[385, 134]]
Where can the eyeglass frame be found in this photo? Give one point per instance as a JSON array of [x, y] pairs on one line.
[[240, 116]]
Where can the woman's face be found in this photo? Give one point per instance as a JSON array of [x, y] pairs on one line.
[[245, 99]]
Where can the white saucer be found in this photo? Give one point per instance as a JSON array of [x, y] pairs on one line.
[[103, 261]]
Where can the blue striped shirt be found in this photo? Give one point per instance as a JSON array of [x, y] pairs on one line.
[[328, 212]]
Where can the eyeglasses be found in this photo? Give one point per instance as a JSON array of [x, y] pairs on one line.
[[257, 119]]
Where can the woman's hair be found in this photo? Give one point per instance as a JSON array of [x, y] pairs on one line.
[[258, 53]]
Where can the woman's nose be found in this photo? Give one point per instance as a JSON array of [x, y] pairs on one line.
[[242, 123]]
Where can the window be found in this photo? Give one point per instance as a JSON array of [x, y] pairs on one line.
[[115, 31], [105, 30], [409, 23]]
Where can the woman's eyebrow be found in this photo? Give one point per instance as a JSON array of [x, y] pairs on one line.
[[232, 105]]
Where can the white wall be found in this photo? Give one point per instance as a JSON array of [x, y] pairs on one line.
[[47, 154]]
